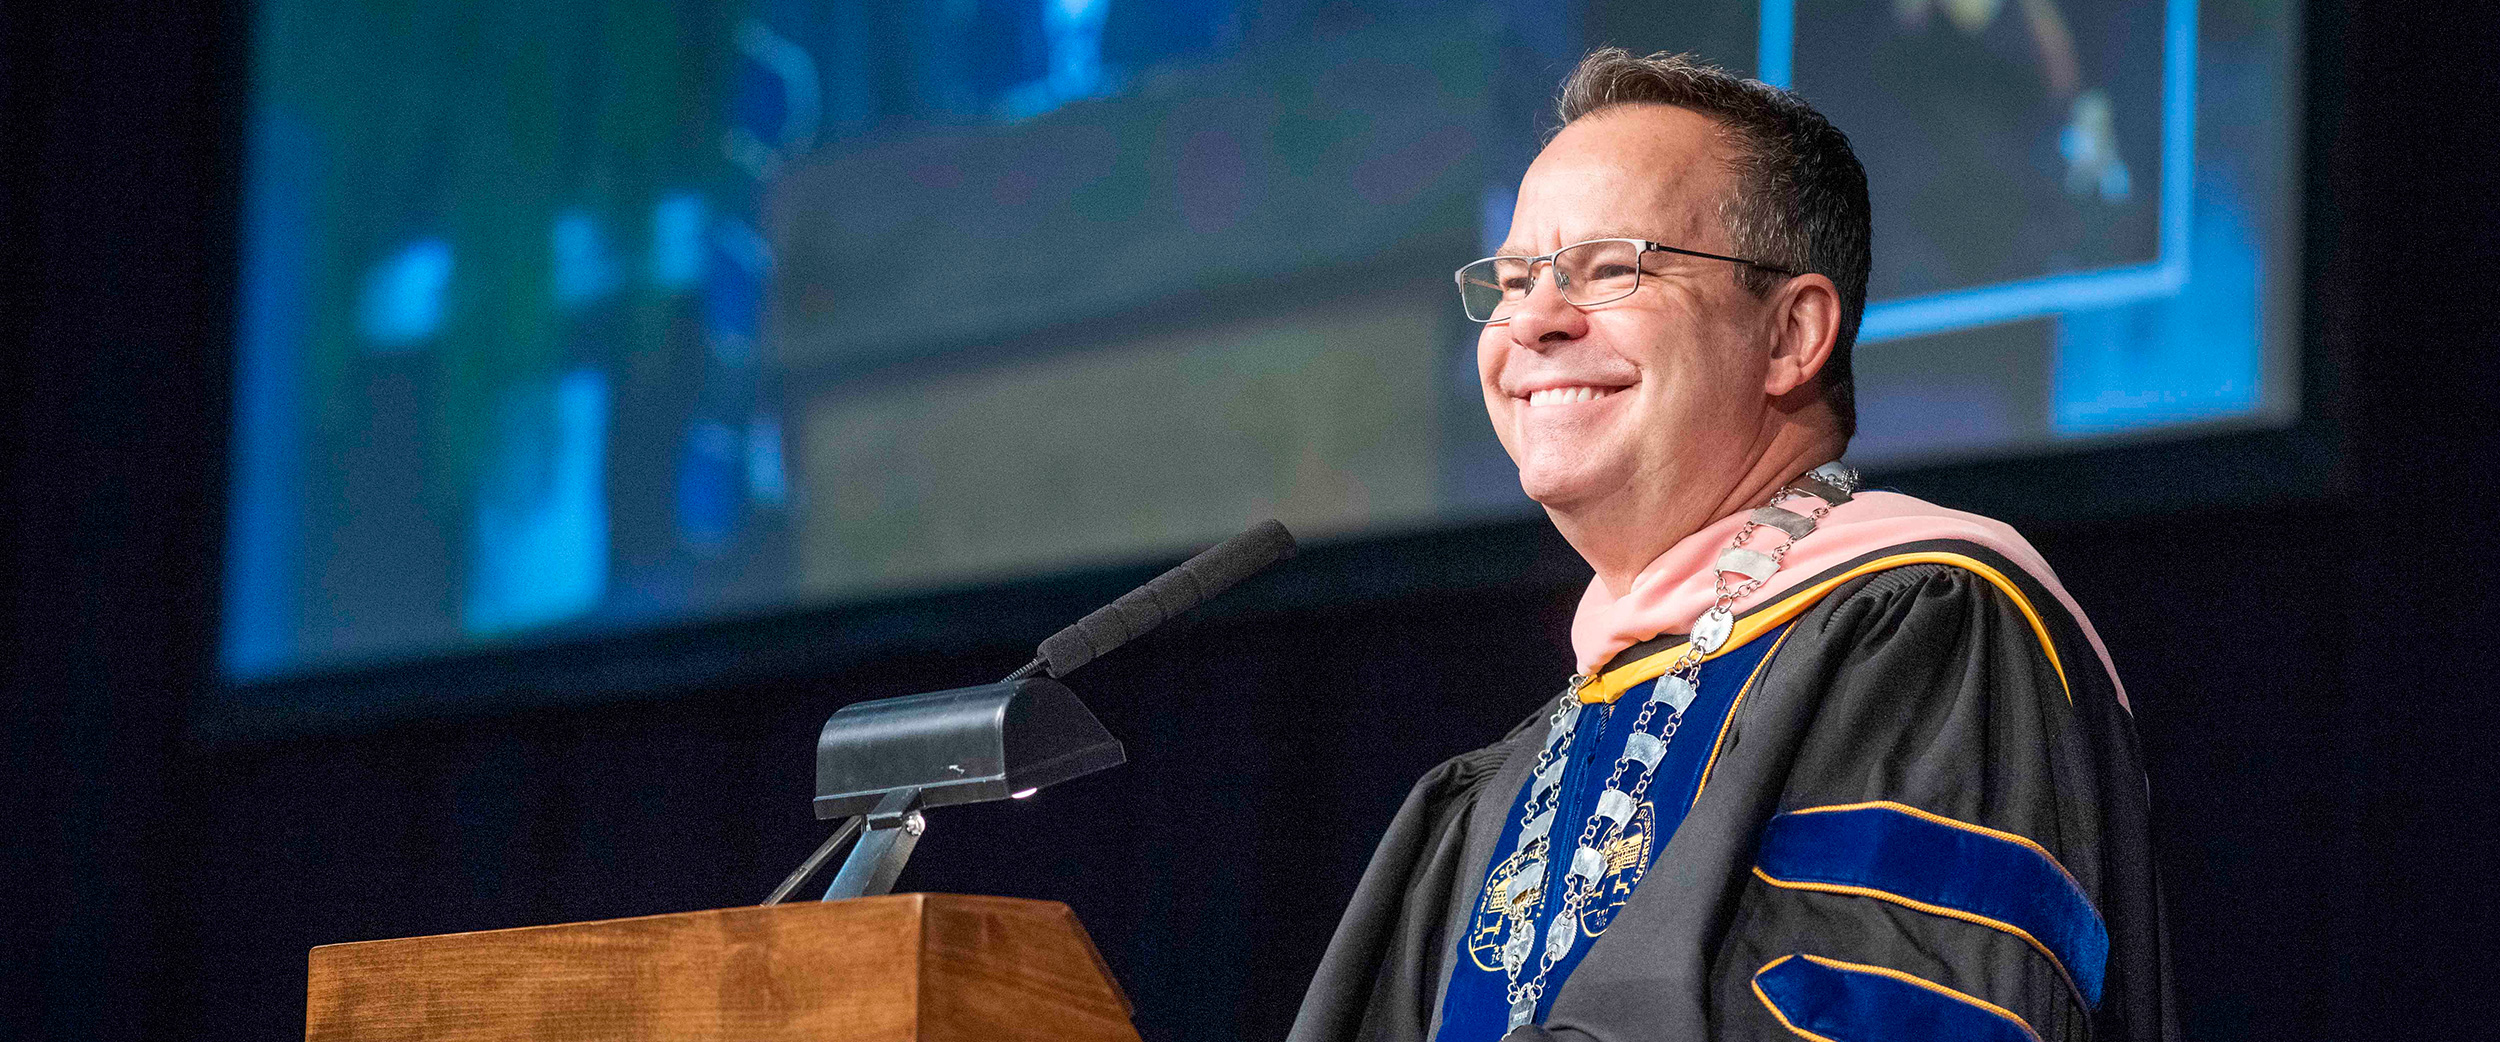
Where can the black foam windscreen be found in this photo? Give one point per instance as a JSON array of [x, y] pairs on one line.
[[1184, 587]]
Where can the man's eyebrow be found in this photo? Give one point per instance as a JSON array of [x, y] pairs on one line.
[[1515, 250]]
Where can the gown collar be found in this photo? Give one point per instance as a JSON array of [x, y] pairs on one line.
[[1678, 586]]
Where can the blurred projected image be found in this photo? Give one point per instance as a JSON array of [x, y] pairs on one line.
[[2079, 210], [562, 318], [2029, 136]]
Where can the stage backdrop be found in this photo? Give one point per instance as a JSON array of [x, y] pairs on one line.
[[2311, 674]]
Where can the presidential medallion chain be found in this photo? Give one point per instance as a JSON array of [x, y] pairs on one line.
[[1524, 892]]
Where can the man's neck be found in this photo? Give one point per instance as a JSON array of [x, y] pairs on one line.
[[1623, 534]]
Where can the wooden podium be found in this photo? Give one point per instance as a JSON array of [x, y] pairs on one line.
[[920, 967]]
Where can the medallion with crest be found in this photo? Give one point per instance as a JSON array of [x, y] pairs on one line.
[[1627, 860], [1492, 921]]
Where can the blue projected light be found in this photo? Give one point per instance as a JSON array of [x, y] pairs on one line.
[[708, 500], [768, 478], [1074, 31], [1772, 61], [677, 247], [584, 271], [540, 522], [402, 304], [2046, 295]]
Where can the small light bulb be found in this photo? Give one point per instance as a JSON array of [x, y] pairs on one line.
[[1023, 794]]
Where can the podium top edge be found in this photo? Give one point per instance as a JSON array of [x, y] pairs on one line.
[[918, 902]]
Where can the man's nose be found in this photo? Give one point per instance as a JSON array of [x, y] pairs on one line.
[[1543, 317]]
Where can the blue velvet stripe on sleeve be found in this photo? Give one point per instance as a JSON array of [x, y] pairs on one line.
[[1910, 857], [1849, 1002]]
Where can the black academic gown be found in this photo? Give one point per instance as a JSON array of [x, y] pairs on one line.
[[1927, 693]]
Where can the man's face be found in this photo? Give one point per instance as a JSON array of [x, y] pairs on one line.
[[1654, 396]]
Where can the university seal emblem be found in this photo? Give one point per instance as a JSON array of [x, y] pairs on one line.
[[1627, 859]]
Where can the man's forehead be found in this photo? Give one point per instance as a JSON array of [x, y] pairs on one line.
[[1677, 129], [1632, 171]]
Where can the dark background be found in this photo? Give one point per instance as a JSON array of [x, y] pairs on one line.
[[2309, 664]]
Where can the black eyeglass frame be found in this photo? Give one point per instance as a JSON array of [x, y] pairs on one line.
[[1646, 247]]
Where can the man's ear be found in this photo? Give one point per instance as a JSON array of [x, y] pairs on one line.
[[1805, 317]]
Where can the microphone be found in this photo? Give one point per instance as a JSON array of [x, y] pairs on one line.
[[1186, 586], [883, 762]]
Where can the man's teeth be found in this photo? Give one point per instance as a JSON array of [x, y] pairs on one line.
[[1567, 395]]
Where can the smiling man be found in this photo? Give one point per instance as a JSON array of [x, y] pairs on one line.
[[1835, 764]]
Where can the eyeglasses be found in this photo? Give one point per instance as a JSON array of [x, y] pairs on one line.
[[1592, 272]]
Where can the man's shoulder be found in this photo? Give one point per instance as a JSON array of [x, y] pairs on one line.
[[1896, 528], [1941, 593], [1882, 544], [1465, 772]]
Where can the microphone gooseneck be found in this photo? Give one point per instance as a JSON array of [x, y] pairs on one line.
[[1186, 586]]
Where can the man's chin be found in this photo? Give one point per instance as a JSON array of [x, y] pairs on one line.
[[1556, 492]]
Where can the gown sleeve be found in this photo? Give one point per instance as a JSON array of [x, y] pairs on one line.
[[1379, 978], [1957, 847]]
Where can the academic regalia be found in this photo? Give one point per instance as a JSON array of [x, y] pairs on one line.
[[1906, 803]]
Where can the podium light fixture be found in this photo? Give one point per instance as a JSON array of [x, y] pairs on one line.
[[881, 763], [968, 745]]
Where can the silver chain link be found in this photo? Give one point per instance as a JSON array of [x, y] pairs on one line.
[[1687, 667], [1546, 757]]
